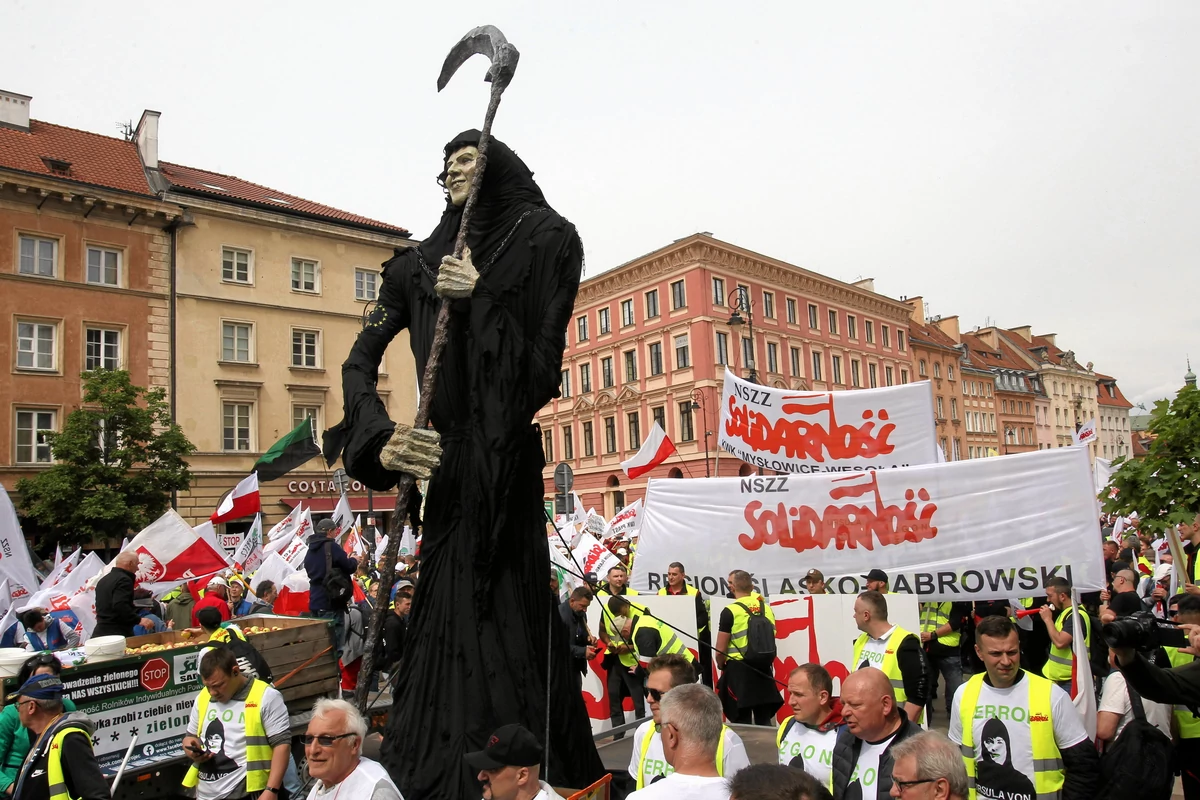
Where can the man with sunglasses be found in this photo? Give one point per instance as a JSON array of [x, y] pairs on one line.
[[333, 745], [252, 721], [928, 766], [647, 763]]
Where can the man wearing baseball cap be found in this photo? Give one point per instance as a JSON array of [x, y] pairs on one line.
[[877, 581], [509, 766], [216, 595], [62, 756], [814, 581]]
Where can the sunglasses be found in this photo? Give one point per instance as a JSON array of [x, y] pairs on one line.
[[654, 694], [324, 741]]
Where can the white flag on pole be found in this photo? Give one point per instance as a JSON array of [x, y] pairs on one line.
[[15, 563], [250, 553], [1082, 688], [1086, 433], [286, 526]]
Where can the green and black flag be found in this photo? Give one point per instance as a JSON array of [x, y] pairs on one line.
[[289, 452]]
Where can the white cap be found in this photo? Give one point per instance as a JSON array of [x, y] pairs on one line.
[[218, 581], [1162, 571]]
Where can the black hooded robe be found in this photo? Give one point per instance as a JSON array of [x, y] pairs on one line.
[[483, 614]]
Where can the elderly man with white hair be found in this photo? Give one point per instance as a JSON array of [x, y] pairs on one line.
[[691, 730], [333, 745]]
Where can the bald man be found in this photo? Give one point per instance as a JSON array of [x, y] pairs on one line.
[[862, 761], [115, 612]]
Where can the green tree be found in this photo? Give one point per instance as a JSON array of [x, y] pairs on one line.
[[118, 458], [1164, 487]]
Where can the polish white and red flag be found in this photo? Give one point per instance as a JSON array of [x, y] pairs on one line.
[[168, 549], [243, 501], [655, 450]]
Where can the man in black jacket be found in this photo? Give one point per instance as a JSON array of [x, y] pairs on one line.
[[574, 616], [395, 627], [862, 762], [115, 612]]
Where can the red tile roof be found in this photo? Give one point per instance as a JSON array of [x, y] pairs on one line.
[[1116, 400], [929, 335], [228, 187], [95, 160]]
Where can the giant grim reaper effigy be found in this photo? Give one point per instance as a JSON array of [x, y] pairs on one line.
[[486, 299]]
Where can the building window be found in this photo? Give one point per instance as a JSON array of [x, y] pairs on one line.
[[568, 445], [833, 321], [610, 434], [869, 331], [38, 256], [814, 318], [548, 444], [718, 292], [795, 353], [652, 304], [366, 284], [103, 349], [304, 275], [564, 384], [921, 368], [722, 348], [851, 326], [585, 378], [235, 265], [872, 376], [748, 352], [605, 324], [236, 341], [903, 376], [855, 373], [589, 443], [888, 376], [769, 305], [301, 413], [626, 313], [772, 357], [837, 369], [884, 336], [953, 408], [630, 366], [656, 364], [659, 415], [606, 372], [678, 295], [635, 429], [581, 329], [37, 343], [956, 446], [682, 360], [235, 426], [900, 339], [103, 266], [941, 411], [949, 372], [32, 447], [816, 365], [686, 433], [791, 310], [305, 347]]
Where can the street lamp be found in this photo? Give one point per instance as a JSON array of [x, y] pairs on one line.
[[1008, 429], [697, 404], [744, 305]]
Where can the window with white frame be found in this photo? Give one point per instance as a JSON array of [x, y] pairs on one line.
[[634, 428], [791, 310], [869, 331], [32, 424], [38, 256], [37, 345], [103, 266], [652, 304], [884, 336], [718, 291], [851, 326], [235, 265], [872, 376], [682, 359], [656, 363], [235, 426], [304, 275], [589, 441], [722, 348], [836, 371], [686, 431], [833, 321], [301, 413], [626, 313], [237, 342], [564, 384], [814, 319], [816, 365], [795, 351], [900, 339], [548, 444], [581, 329], [605, 324], [568, 444], [606, 372], [610, 434], [772, 357], [366, 284], [678, 295], [888, 376], [102, 349], [585, 378], [769, 305], [306, 347], [855, 373]]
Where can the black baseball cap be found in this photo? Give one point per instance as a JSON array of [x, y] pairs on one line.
[[509, 746], [39, 687], [877, 575]]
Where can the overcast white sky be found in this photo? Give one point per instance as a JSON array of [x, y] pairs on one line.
[[1019, 163]]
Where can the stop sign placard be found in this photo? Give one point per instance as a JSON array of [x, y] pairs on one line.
[[155, 674]]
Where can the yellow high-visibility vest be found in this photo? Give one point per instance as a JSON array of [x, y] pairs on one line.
[[1189, 725], [54, 770], [934, 616], [692, 591], [645, 748], [1058, 665], [258, 746], [739, 634], [668, 642], [890, 665]]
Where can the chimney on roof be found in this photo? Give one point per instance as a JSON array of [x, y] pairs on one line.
[[991, 336], [916, 308], [866, 284], [949, 326], [1050, 337], [14, 110], [1025, 332], [146, 136]]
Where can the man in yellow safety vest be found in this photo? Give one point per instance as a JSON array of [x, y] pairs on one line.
[[893, 650], [238, 734], [619, 662], [1062, 626], [1187, 724], [940, 626], [677, 585], [650, 636], [1020, 735], [747, 686], [61, 764]]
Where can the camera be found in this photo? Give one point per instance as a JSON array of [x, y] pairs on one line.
[[1143, 631]]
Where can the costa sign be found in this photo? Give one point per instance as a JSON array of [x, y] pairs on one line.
[[321, 486]]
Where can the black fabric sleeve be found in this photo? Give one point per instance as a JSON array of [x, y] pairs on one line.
[[80, 770], [914, 670], [958, 615], [547, 352], [1180, 685], [122, 600], [726, 621], [1081, 771], [701, 612]]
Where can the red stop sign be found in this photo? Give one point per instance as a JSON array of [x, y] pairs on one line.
[[155, 674]]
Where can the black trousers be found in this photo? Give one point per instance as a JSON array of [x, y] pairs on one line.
[[621, 684], [755, 715], [1187, 755]]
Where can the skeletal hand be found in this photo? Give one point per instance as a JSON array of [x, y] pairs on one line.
[[416, 451], [457, 276]]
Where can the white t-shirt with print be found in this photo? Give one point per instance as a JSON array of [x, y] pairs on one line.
[[656, 762], [1003, 744], [809, 749], [684, 787], [864, 780], [224, 733], [874, 649], [1115, 698]]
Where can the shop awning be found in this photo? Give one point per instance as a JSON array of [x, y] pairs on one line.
[[325, 505]]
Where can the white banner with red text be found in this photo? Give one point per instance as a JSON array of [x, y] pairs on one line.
[[795, 431], [986, 529]]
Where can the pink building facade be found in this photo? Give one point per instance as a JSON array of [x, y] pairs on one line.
[[650, 340]]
